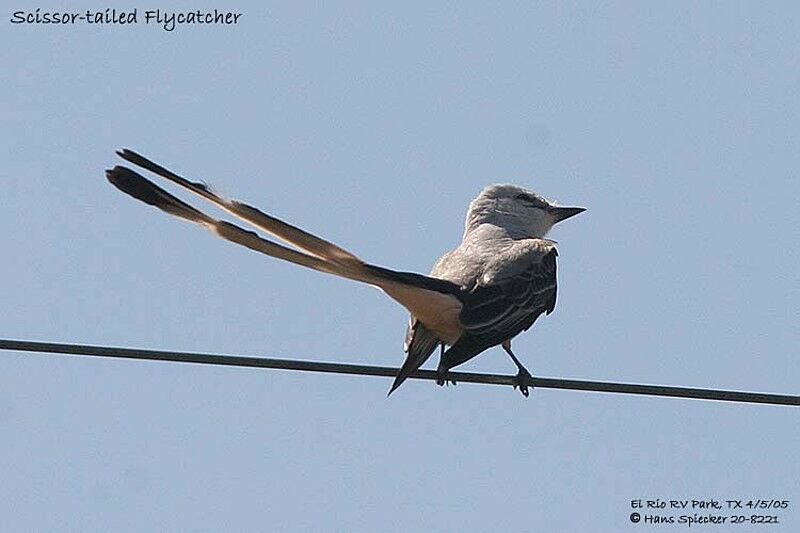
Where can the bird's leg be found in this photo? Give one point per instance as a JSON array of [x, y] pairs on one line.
[[524, 378], [442, 379]]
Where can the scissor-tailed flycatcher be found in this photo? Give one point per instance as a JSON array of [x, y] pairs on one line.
[[493, 286]]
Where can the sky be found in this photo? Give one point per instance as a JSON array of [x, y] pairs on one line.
[[676, 124]]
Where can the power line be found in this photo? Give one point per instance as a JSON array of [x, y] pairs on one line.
[[382, 371]]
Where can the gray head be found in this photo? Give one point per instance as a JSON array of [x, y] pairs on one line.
[[521, 212]]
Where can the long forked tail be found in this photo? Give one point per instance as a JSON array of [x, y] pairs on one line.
[[428, 299], [296, 236], [142, 189], [317, 253]]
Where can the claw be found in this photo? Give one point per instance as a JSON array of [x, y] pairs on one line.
[[442, 379], [522, 380]]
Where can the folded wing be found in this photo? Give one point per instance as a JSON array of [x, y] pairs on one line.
[[508, 302]]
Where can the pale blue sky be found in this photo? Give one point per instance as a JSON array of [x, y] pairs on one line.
[[676, 124]]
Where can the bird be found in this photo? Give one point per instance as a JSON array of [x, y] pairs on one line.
[[490, 288]]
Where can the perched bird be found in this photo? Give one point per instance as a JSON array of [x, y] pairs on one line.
[[483, 293]]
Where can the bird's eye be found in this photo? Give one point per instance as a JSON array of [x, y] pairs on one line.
[[526, 198]]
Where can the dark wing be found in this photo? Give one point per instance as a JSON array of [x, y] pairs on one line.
[[501, 310], [419, 345]]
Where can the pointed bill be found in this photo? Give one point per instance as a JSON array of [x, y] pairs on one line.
[[563, 213]]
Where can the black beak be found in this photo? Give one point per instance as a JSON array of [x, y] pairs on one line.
[[563, 213]]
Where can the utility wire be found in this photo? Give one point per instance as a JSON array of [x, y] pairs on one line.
[[366, 370]]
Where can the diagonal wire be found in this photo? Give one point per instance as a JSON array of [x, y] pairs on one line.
[[367, 370]]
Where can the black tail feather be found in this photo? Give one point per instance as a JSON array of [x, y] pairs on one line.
[[148, 192]]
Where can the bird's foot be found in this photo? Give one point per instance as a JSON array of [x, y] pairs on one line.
[[523, 380], [442, 379]]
